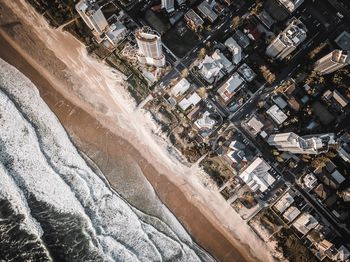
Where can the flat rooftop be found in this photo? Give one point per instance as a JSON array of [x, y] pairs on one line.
[[343, 41]]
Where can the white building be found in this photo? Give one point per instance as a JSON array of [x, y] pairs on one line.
[[207, 11], [333, 61], [291, 5], [192, 100], [92, 15], [150, 47], [288, 40], [277, 114], [255, 125], [340, 99], [212, 66], [305, 223], [284, 202], [236, 153], [235, 49], [257, 175], [205, 122], [116, 33], [295, 144], [291, 214], [168, 5], [310, 181], [180, 88]]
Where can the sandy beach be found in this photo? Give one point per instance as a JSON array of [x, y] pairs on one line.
[[102, 126]]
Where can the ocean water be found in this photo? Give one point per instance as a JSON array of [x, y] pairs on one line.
[[55, 206]]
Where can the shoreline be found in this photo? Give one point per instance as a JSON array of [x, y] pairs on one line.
[[155, 179], [90, 136]]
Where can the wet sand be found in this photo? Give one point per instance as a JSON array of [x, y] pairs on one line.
[[106, 147]]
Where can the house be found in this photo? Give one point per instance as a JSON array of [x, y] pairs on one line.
[[293, 103], [337, 177], [246, 72], [193, 20], [277, 114], [205, 124], [192, 100], [180, 88], [241, 39], [324, 246], [206, 10], [266, 19], [255, 125], [341, 100], [230, 87], [291, 5], [329, 175], [237, 154], [116, 33], [322, 192], [215, 66], [291, 214], [343, 40], [177, 92], [278, 100], [310, 181], [257, 176], [290, 88], [344, 152], [235, 49], [304, 223], [344, 148], [284, 202]]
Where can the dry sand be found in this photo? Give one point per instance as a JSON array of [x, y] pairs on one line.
[[91, 103]]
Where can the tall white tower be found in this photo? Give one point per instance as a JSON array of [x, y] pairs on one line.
[[150, 47], [295, 144], [92, 15]]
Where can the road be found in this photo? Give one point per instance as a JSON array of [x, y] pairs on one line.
[[216, 34], [266, 90], [287, 175]]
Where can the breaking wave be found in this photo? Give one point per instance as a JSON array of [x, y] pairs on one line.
[[54, 206]]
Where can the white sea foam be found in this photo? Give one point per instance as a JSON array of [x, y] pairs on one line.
[[10, 191], [44, 163]]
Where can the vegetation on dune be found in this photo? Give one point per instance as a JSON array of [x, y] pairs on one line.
[[58, 11], [292, 248]]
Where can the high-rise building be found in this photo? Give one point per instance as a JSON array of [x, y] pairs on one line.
[[333, 61], [295, 144], [150, 47], [92, 15], [288, 40], [168, 5]]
